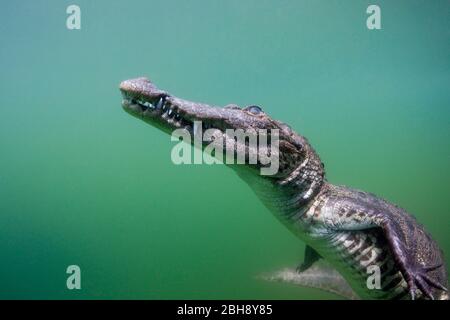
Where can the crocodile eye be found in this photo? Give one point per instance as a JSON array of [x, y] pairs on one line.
[[254, 109]]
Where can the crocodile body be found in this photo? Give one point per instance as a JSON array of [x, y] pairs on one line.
[[352, 230]]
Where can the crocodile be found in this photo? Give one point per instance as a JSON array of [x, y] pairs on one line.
[[349, 229]]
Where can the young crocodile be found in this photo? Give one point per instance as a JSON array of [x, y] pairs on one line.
[[350, 229]]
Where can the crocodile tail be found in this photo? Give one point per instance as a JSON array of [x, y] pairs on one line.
[[318, 276]]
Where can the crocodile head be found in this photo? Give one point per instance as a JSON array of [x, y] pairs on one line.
[[296, 158]]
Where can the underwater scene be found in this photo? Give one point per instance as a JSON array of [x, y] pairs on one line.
[[86, 188]]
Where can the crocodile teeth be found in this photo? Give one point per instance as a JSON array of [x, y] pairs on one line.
[[145, 104], [170, 112], [160, 103]]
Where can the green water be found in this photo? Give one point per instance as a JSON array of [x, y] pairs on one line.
[[82, 182]]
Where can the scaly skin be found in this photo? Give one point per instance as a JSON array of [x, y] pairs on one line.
[[351, 229]]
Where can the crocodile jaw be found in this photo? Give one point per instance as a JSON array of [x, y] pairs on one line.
[[143, 100]]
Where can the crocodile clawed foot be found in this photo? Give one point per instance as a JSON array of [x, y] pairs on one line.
[[418, 279]]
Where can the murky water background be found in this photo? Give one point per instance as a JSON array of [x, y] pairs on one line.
[[82, 182]]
